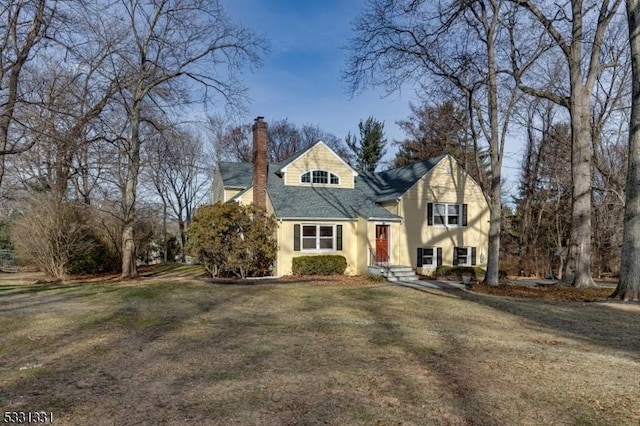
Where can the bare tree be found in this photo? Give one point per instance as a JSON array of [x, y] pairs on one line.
[[177, 170], [629, 285], [578, 38], [457, 43], [23, 27], [233, 142], [172, 42], [443, 128]]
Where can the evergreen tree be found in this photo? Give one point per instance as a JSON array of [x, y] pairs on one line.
[[370, 148]]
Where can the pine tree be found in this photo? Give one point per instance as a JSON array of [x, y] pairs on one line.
[[371, 146]]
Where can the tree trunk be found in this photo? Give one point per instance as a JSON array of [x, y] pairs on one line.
[[629, 284], [496, 150], [165, 240], [129, 268], [183, 239], [578, 266]]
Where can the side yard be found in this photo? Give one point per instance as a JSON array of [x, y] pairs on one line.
[[172, 349]]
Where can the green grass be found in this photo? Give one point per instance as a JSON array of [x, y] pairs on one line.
[[171, 349]]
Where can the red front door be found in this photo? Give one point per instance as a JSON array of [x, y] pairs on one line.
[[382, 243]]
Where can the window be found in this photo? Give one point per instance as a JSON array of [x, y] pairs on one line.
[[320, 176], [317, 237], [429, 257], [447, 214], [464, 256]]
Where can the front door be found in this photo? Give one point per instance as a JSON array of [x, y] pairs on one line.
[[382, 243]]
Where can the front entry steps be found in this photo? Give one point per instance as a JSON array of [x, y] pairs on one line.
[[394, 273]]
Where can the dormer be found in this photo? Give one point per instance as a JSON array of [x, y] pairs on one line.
[[318, 166]]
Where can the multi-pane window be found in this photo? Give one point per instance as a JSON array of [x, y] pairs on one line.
[[428, 256], [446, 214], [320, 176], [463, 256], [317, 237]]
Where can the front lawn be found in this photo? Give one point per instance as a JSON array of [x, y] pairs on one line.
[[174, 348]]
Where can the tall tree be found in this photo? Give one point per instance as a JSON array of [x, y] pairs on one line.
[[629, 285], [441, 129], [23, 27], [177, 171], [370, 147], [578, 38], [457, 44], [233, 142], [172, 42]]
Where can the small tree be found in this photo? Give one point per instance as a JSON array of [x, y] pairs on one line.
[[231, 239], [50, 233], [370, 149]]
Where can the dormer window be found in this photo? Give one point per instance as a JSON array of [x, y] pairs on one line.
[[320, 176]]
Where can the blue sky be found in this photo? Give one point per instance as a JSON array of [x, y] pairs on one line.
[[300, 76]]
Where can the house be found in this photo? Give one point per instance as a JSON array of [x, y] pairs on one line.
[[420, 216]]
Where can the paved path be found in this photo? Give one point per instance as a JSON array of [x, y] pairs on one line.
[[432, 284]]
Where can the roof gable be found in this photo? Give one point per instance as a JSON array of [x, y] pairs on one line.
[[392, 184], [284, 166]]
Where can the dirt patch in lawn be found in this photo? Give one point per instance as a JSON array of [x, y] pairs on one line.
[[178, 350]]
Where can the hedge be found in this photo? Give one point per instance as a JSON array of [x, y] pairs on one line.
[[458, 271], [319, 265]]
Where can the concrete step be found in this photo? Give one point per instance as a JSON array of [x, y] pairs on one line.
[[394, 273], [400, 273]]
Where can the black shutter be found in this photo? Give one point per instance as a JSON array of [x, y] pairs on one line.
[[430, 214], [439, 256], [473, 255], [455, 256], [464, 215], [339, 237], [419, 257], [296, 237]]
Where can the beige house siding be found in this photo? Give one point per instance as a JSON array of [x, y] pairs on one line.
[[363, 244], [447, 182], [320, 157], [286, 251], [247, 199]]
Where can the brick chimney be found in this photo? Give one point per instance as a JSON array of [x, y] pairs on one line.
[[260, 140]]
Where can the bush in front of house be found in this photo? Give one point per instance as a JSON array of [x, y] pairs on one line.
[[456, 272], [233, 240], [319, 265]]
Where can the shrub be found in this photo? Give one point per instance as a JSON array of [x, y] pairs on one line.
[[96, 259], [319, 265], [231, 239], [61, 237], [456, 272], [49, 233]]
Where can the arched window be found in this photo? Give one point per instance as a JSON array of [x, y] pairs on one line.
[[320, 176]]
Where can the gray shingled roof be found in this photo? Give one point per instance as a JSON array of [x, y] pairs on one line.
[[332, 203], [391, 184], [323, 202], [236, 175]]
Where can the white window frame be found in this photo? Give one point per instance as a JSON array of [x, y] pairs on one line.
[[447, 215], [433, 256], [318, 237], [468, 255], [311, 173]]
